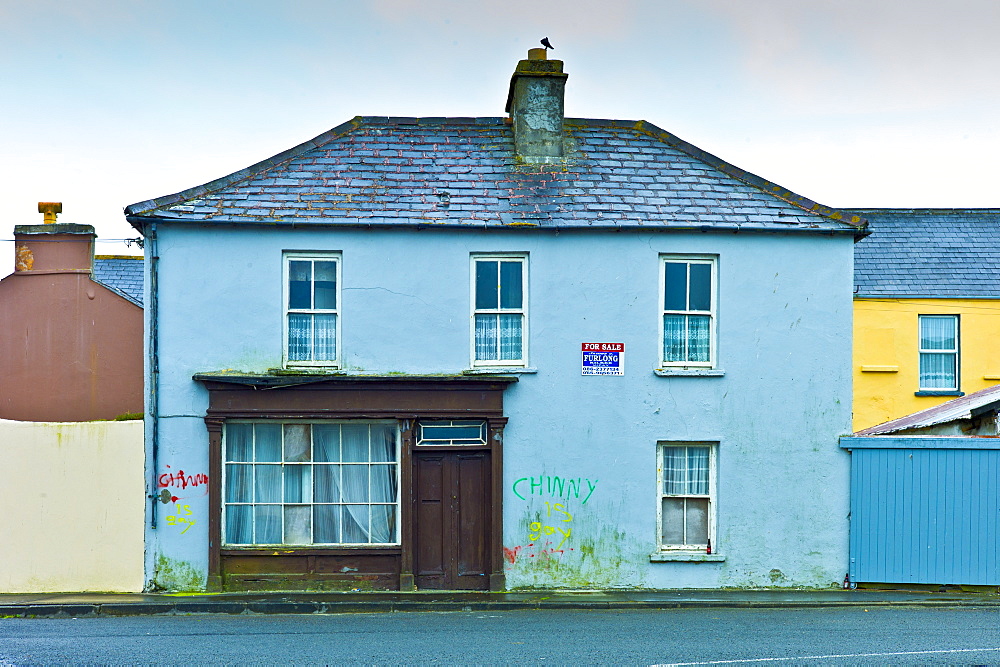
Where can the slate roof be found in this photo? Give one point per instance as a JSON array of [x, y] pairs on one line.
[[462, 172], [929, 253], [121, 274], [965, 407]]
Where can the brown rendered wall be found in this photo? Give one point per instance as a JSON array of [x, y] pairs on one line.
[[70, 349]]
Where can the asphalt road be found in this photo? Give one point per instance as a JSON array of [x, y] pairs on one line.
[[834, 636]]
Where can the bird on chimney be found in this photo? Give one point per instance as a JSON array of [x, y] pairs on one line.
[[545, 43]]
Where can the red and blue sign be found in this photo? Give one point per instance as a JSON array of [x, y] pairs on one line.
[[603, 358]]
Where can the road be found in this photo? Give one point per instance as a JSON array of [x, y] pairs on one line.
[[831, 636]]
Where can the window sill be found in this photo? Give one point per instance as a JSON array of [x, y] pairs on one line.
[[935, 392], [685, 556], [499, 370], [689, 372]]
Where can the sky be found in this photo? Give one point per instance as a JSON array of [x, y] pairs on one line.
[[851, 103]]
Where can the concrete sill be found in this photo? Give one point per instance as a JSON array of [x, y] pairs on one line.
[[935, 392], [689, 372], [499, 370], [685, 556], [880, 369]]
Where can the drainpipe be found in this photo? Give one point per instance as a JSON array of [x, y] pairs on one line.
[[154, 374]]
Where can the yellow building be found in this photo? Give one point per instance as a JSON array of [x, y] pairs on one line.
[[926, 310]]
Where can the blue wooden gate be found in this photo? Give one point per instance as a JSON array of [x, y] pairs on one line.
[[925, 510]]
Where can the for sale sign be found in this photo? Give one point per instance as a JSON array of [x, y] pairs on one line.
[[603, 358]]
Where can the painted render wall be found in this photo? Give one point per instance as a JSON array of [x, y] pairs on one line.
[[886, 354], [76, 496], [784, 331]]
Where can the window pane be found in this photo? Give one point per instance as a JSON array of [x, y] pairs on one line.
[[510, 337], [452, 430], [486, 337], [674, 470], [325, 285], [325, 342], [327, 488], [355, 521], [298, 526], [510, 285], [268, 483], [697, 465], [326, 524], [487, 282], [672, 518], [267, 523], [383, 483], [299, 283], [268, 442], [239, 442], [697, 520], [239, 524], [297, 442], [354, 442], [326, 442], [674, 338], [937, 371], [675, 287], [701, 287], [937, 333], [299, 337], [383, 439], [298, 483], [355, 480], [239, 483], [383, 523], [698, 337]]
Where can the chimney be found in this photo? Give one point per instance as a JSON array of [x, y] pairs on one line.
[[535, 105], [53, 247]]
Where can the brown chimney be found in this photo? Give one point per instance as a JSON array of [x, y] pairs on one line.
[[535, 103], [53, 247]]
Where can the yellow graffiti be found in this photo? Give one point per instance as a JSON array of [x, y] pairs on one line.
[[536, 528], [180, 518]]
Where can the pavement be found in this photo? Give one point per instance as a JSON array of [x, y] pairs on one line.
[[138, 604]]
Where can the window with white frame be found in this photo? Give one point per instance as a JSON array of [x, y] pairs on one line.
[[938, 352], [312, 309], [499, 309], [329, 483], [686, 479], [687, 326]]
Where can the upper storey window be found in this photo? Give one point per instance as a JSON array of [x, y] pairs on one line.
[[689, 311], [312, 298], [939, 352], [499, 310]]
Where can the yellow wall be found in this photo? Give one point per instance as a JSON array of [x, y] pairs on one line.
[[74, 503], [886, 355]]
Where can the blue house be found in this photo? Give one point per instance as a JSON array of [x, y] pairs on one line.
[[496, 353]]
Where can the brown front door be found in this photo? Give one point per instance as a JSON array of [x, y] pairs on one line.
[[451, 527]]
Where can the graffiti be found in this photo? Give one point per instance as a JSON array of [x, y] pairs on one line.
[[181, 517], [182, 480], [555, 513], [554, 487], [537, 529]]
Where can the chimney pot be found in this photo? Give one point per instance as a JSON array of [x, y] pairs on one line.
[[49, 209]]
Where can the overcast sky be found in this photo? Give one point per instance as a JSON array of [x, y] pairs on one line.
[[852, 103]]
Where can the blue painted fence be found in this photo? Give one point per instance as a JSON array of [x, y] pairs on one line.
[[925, 510]]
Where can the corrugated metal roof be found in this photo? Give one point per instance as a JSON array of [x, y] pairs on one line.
[[462, 172], [929, 253], [964, 407]]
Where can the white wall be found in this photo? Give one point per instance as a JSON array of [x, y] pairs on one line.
[[74, 507]]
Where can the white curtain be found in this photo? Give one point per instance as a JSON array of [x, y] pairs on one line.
[[685, 470], [311, 483], [686, 338], [486, 337], [510, 336]]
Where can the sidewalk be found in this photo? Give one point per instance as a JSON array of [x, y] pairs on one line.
[[134, 604]]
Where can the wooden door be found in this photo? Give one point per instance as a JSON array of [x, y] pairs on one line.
[[451, 520]]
